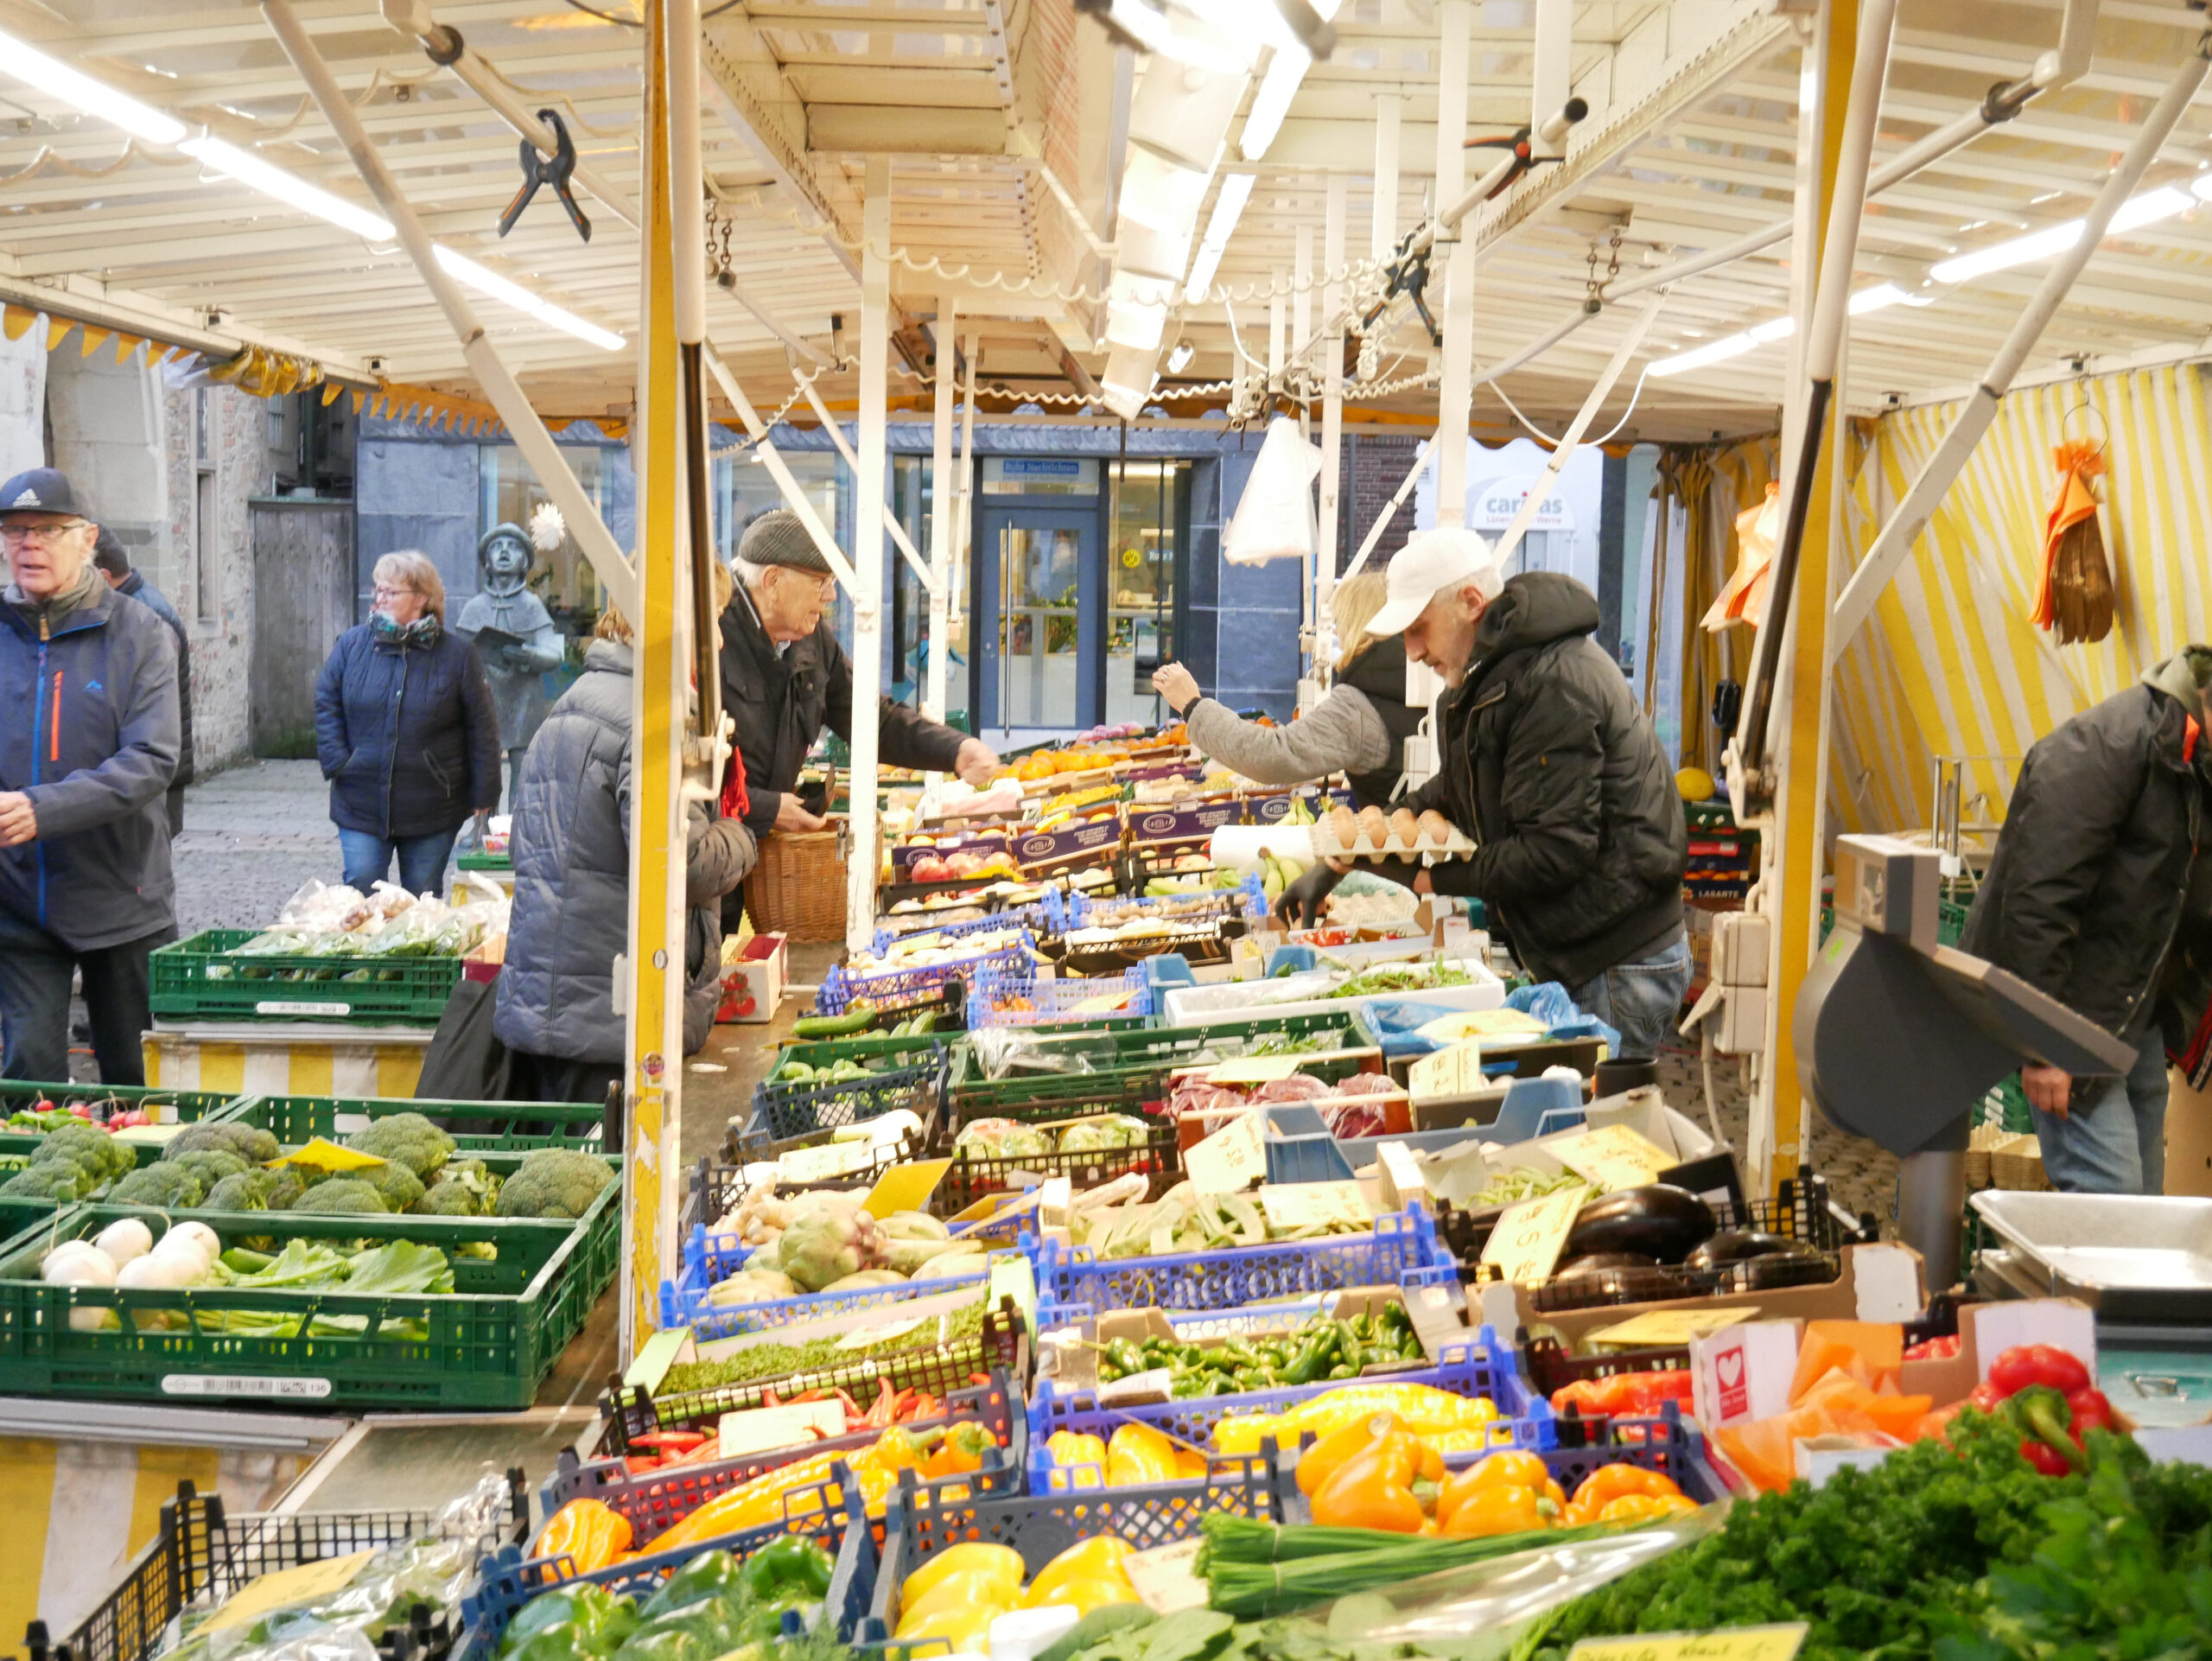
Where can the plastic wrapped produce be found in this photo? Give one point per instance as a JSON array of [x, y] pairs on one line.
[[1002, 1139], [1106, 1132]]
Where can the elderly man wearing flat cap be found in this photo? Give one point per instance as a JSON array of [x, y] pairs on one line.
[[784, 678]]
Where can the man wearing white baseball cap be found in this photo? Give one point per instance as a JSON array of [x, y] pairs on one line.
[[1546, 760]]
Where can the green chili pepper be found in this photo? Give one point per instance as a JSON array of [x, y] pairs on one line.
[[1342, 1372], [791, 1565], [1125, 1355], [1314, 1360]]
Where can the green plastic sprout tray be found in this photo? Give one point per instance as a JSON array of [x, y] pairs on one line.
[[168, 1106], [487, 1344], [197, 979], [477, 1127]]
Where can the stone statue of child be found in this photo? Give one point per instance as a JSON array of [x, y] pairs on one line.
[[517, 664]]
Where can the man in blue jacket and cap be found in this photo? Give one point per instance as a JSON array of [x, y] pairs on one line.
[[85, 769]]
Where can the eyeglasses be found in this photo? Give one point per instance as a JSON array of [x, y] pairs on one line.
[[827, 585], [15, 536], [387, 591]]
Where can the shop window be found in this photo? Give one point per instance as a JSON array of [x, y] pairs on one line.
[[1144, 562]]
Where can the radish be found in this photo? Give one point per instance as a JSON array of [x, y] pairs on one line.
[[78, 1263], [211, 1244], [125, 1239], [172, 1272]]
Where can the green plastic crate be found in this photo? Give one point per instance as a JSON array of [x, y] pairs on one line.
[[188, 1104], [1950, 922], [489, 1344], [1124, 1066], [828, 1052], [195, 979], [296, 1120], [480, 862]]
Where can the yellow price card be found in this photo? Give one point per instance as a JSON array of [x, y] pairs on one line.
[[1232, 1159], [1779, 1643], [1525, 1245], [906, 1187], [1254, 1070], [1667, 1327], [285, 1587], [326, 1155], [1614, 1158]]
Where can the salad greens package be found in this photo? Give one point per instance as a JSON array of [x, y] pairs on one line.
[[335, 1609]]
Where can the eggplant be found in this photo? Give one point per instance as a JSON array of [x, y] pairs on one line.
[[1737, 1246], [1600, 1288], [1591, 1262], [1658, 1220]]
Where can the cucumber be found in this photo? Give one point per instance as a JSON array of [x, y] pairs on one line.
[[843, 1026]]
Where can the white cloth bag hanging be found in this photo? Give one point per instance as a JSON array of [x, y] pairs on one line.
[[1274, 518]]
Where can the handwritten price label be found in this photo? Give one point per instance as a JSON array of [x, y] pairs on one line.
[[1231, 1159], [1614, 1158], [1316, 1204], [1525, 1245], [1779, 1643]]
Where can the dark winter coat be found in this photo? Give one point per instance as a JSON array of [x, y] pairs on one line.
[[407, 735], [2084, 896], [155, 601], [1380, 672], [1550, 766], [571, 852], [93, 742], [779, 702]]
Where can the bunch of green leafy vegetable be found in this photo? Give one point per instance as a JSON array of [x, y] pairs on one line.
[[394, 1269], [1965, 1555], [716, 1605], [1385, 978], [768, 1361], [381, 1592]]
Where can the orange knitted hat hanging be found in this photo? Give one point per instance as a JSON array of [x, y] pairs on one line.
[[2074, 592]]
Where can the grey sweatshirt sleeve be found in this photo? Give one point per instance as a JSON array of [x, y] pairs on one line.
[[1342, 732]]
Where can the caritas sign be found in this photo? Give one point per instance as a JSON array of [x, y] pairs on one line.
[[1496, 502]]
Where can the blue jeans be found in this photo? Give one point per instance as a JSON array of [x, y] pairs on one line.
[[1641, 1001], [422, 859], [2113, 1138]]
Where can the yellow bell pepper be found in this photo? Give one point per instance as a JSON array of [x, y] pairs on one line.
[[1423, 1410], [1100, 1557], [748, 1505], [997, 1563], [1139, 1453], [587, 1532], [1073, 1447]]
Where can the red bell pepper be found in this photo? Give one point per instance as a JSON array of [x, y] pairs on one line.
[[2024, 1364], [2047, 1460], [1935, 1349], [2090, 1411], [1986, 1397]]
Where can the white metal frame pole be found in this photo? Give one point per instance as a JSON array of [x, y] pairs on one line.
[[942, 512], [1927, 492], [868, 552], [794, 497], [1332, 423], [608, 560], [1554, 69], [897, 531], [963, 533], [1456, 390], [1382, 219]]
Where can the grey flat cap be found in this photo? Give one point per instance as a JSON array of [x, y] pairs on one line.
[[779, 537]]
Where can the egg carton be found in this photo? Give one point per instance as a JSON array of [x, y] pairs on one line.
[[1458, 845]]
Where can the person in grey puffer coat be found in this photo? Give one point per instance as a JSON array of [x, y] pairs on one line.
[[570, 846]]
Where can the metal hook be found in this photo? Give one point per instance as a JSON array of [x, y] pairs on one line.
[[557, 171]]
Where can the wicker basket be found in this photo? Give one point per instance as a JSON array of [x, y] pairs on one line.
[[797, 889]]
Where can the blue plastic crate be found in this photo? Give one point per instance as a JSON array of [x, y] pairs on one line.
[[1484, 1366], [1402, 1249], [1035, 915], [922, 1520], [1667, 1443], [708, 1259], [1055, 1001], [782, 1111], [654, 1501], [1247, 900], [839, 989], [509, 1579]]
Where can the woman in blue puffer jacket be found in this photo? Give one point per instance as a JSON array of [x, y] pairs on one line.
[[406, 731]]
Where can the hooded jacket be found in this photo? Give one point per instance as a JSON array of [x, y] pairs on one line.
[[570, 846], [1550, 766], [781, 701], [1359, 729], [155, 601], [93, 744], [2088, 896], [407, 734]]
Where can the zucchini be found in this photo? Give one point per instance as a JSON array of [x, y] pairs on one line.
[[853, 1021]]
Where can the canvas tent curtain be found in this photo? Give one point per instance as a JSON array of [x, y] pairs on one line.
[[1713, 483]]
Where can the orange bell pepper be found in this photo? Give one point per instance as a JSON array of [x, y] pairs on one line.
[[1610, 1482], [750, 1504], [587, 1532], [1641, 1507], [1487, 1511], [961, 1450], [897, 1449], [1384, 1485], [1325, 1457]]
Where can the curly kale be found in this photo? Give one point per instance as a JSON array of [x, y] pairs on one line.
[[406, 1139]]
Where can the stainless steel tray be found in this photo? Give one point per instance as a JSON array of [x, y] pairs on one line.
[[2144, 1258]]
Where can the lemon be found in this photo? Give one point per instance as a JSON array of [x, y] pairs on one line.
[[1081, 1594], [1100, 1557], [1694, 784], [1001, 1563]]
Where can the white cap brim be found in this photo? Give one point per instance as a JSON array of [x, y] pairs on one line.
[[1396, 616]]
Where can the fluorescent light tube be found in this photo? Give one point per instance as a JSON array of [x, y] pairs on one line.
[[287, 187], [2048, 244], [1732, 346], [513, 294], [1272, 102], [1228, 207], [57, 79]]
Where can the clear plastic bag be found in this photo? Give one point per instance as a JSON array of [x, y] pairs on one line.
[[317, 904]]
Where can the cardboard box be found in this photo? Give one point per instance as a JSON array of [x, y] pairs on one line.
[[1878, 1282], [753, 978], [1078, 1363], [2189, 1138], [1987, 1330]]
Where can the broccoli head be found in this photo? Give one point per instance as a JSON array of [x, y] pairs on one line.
[[55, 1180], [246, 1190], [89, 1146], [165, 1184], [396, 1185], [556, 1182], [250, 1143], [289, 1184], [348, 1195], [406, 1139], [211, 1164], [465, 1189]]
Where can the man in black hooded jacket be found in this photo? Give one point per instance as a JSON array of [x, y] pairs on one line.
[[2099, 894], [1549, 763]]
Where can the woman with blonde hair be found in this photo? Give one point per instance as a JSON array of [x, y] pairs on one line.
[[406, 731], [555, 1013], [1359, 730]]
